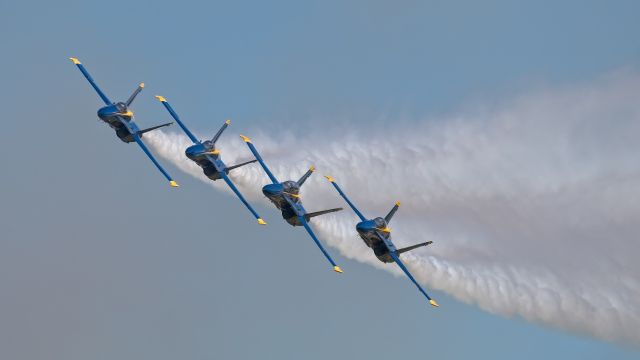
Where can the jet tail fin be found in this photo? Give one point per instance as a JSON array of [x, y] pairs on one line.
[[217, 135], [153, 128], [409, 248], [392, 212], [306, 175], [308, 216], [134, 94], [229, 168]]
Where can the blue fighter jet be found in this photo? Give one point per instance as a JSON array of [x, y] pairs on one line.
[[376, 234], [286, 197], [205, 154], [120, 118]]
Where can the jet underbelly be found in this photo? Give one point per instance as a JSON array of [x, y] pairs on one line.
[[372, 240], [123, 133], [365, 239], [211, 172], [290, 216]]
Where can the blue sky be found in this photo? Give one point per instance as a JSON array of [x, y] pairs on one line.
[[99, 259]]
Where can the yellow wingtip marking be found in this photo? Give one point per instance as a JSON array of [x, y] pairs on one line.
[[228, 122], [173, 184], [142, 85], [433, 303], [312, 168], [329, 178], [387, 230], [261, 222], [161, 98], [337, 269], [246, 139], [75, 61], [397, 203]]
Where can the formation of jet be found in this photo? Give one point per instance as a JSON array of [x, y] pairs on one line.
[[120, 118], [284, 195], [376, 234]]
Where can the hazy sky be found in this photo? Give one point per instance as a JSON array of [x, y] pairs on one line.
[[100, 259]]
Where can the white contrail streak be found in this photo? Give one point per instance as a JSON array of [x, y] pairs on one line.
[[534, 205]]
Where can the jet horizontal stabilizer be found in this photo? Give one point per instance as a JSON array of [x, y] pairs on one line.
[[153, 128], [409, 248], [229, 168], [318, 213]]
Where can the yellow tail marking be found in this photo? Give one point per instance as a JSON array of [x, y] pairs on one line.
[[337, 269], [261, 222], [387, 230], [162, 99], [75, 61], [433, 303], [173, 183], [329, 178], [246, 139]]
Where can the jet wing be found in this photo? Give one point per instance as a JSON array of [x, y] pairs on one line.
[[259, 158], [336, 268], [239, 195], [396, 258], [344, 196], [175, 116], [90, 79], [235, 190], [136, 137], [304, 223], [394, 255]]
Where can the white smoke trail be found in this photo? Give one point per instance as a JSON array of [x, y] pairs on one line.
[[534, 207]]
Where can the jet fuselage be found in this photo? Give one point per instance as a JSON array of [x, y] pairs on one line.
[[114, 115], [276, 194], [370, 231], [206, 156]]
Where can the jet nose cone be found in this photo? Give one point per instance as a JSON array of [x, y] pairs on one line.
[[104, 112], [272, 189], [107, 111], [190, 152], [194, 151], [365, 226]]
